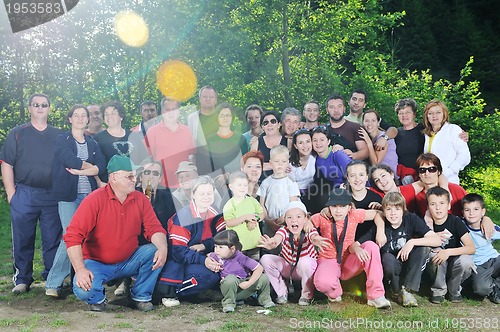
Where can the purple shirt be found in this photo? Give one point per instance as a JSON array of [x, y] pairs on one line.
[[239, 265], [333, 166]]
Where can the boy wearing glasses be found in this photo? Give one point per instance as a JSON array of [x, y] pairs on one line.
[[26, 158]]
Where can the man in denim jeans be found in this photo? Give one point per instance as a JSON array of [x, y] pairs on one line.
[[102, 240]]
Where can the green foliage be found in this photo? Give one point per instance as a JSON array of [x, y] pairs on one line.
[[486, 182]]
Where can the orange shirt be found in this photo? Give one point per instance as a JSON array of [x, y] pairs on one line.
[[324, 226]]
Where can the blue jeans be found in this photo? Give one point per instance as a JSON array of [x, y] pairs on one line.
[[62, 266], [138, 265]]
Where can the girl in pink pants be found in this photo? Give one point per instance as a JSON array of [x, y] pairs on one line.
[[337, 223], [297, 260]]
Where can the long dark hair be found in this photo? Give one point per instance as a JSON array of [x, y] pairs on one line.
[[294, 152]]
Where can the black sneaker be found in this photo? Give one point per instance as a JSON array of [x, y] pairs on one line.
[[437, 299], [495, 295], [143, 306], [456, 298], [99, 307]]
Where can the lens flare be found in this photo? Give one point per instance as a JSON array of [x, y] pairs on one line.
[[176, 80], [131, 28]]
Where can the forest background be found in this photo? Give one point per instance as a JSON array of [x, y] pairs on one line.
[[275, 53]]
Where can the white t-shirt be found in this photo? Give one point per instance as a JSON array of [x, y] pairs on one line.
[[304, 177], [277, 193]]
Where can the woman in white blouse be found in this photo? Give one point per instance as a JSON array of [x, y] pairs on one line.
[[302, 163], [442, 139]]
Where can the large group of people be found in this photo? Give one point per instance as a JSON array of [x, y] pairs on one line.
[[173, 212]]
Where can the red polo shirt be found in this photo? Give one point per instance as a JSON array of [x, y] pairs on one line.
[[107, 229]]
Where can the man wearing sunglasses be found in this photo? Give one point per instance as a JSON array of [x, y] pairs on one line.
[[26, 158], [102, 240]]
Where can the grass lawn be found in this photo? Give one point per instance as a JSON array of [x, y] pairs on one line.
[[36, 312]]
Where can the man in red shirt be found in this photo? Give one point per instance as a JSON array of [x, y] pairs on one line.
[[102, 240]]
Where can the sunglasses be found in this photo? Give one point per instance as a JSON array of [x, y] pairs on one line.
[[320, 127], [301, 131], [432, 169], [147, 172], [36, 105], [266, 122]]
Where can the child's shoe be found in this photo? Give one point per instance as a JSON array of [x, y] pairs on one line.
[[495, 295], [337, 299], [269, 305], [170, 301], [227, 309], [407, 299], [283, 299], [379, 303], [304, 302]]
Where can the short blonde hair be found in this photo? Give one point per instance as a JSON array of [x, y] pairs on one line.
[[394, 199], [279, 149]]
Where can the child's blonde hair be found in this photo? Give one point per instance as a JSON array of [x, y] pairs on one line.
[[237, 175], [394, 199], [279, 149]]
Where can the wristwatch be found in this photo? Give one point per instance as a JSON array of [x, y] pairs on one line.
[[386, 137]]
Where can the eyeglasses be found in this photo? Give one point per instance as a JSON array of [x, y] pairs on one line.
[[149, 110], [36, 105], [432, 169], [225, 115], [147, 172], [266, 122], [131, 177]]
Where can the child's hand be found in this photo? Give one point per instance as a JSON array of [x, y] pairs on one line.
[[320, 242], [198, 247], [251, 224], [380, 239], [308, 225], [375, 206], [212, 264], [404, 253], [428, 220], [441, 257], [362, 254], [245, 284], [488, 227], [266, 242]]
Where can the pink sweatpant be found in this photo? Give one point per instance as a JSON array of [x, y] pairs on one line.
[[277, 268], [329, 273]]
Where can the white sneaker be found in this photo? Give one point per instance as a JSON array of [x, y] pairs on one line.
[[52, 292], [20, 288], [407, 299], [282, 299], [379, 303], [337, 299], [123, 289], [170, 302], [304, 302]]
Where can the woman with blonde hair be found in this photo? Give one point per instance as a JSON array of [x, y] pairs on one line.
[[442, 139]]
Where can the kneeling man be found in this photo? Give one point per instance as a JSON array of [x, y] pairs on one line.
[[102, 240]]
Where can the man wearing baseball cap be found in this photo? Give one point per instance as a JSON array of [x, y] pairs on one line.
[[102, 240]]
